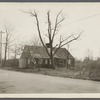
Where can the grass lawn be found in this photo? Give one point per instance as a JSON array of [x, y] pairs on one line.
[[60, 72]]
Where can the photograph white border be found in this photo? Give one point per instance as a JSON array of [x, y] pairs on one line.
[[51, 95]]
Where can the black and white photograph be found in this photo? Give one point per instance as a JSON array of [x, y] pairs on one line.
[[49, 48]]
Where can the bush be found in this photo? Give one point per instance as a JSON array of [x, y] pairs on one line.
[[88, 69], [12, 63]]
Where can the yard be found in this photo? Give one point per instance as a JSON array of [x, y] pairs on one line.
[[60, 72]]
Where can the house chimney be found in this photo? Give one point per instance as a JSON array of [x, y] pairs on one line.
[[48, 46]]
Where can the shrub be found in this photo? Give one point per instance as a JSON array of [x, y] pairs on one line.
[[88, 69], [12, 63]]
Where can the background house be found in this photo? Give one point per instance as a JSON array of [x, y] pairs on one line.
[[62, 57]]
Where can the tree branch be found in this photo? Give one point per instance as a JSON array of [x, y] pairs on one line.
[[61, 45], [49, 27], [67, 38], [57, 24]]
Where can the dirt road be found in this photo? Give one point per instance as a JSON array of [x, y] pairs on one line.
[[19, 82]]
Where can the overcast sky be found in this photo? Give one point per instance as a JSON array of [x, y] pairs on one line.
[[79, 17]]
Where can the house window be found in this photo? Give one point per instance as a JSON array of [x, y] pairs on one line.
[[69, 61], [28, 61], [46, 61], [61, 62], [50, 61], [40, 61]]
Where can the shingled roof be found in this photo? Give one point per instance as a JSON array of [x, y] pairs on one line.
[[40, 52]]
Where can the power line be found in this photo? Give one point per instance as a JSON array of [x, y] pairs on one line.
[[84, 18]]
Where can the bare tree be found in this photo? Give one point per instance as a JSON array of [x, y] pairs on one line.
[[8, 41], [51, 33], [16, 51], [35, 41]]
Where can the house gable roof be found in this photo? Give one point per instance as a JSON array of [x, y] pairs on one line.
[[40, 52]]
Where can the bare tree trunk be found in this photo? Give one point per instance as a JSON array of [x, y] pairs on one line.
[[52, 62], [67, 61], [6, 47], [51, 56], [8, 53], [5, 57]]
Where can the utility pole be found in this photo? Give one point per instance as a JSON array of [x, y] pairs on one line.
[[1, 32]]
